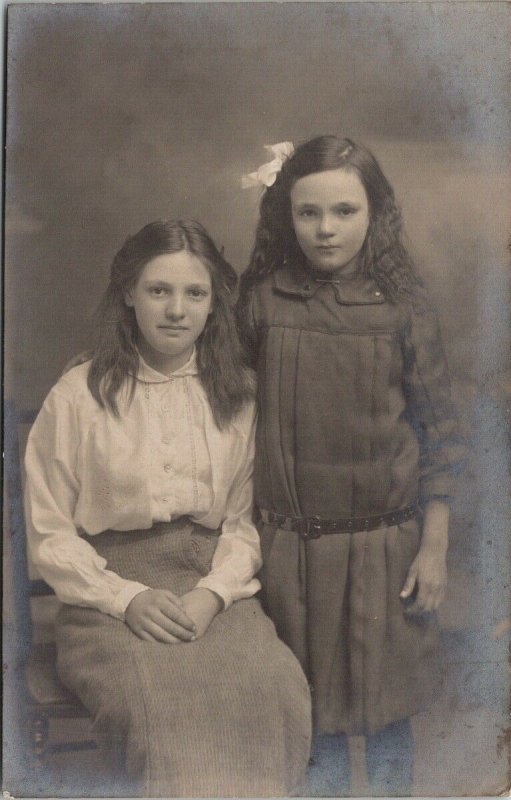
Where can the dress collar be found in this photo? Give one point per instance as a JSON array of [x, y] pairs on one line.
[[295, 280], [147, 374], [355, 290]]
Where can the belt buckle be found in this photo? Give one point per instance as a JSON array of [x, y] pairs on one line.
[[312, 528]]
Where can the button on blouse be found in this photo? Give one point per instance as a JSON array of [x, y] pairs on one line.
[[179, 464]]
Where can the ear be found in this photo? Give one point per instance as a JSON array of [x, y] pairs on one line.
[[128, 299]]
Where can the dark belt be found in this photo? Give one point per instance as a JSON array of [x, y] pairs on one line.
[[314, 527]]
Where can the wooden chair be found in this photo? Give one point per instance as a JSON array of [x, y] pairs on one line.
[[35, 689]]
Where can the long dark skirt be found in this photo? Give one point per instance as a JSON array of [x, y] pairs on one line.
[[226, 715], [335, 602]]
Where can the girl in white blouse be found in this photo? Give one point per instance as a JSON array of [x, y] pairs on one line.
[[139, 492]]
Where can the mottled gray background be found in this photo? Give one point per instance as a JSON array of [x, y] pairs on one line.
[[121, 114]]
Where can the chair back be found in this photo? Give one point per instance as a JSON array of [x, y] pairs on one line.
[[33, 692], [19, 634]]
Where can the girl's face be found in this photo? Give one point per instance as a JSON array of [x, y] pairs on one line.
[[330, 217], [171, 299]]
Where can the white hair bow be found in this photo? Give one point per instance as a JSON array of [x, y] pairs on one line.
[[267, 173]]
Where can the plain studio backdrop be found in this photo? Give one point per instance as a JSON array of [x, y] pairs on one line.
[[121, 114]]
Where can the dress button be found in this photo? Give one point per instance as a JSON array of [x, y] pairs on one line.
[[378, 294], [168, 468], [166, 439]]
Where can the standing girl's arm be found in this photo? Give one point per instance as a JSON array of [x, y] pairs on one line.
[[442, 451], [71, 566], [429, 568]]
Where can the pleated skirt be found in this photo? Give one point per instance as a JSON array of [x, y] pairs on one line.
[[227, 715], [335, 602]]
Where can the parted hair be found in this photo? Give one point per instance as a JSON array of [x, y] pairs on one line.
[[227, 382], [383, 256]]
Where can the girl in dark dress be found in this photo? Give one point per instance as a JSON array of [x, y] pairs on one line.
[[356, 452]]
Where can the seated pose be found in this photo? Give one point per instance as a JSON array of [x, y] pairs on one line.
[[139, 492]]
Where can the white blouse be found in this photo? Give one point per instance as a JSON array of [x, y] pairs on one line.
[[163, 457]]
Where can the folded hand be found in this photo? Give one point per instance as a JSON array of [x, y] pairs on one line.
[[157, 615], [201, 605]]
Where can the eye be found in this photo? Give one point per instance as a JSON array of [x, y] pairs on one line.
[[306, 212], [157, 291], [346, 211], [197, 293]]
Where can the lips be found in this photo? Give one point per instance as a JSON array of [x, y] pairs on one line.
[[172, 331], [172, 327]]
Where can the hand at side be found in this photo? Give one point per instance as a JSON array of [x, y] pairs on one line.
[[427, 576]]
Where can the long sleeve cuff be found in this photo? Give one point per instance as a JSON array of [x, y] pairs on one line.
[[229, 594], [122, 599]]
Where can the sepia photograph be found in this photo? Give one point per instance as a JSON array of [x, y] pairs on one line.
[[257, 400]]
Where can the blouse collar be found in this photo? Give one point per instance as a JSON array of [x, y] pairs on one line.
[[147, 374]]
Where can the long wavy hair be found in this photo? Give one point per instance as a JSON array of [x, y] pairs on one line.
[[382, 257], [228, 384]]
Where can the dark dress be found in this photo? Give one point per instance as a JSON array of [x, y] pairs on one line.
[[355, 420]]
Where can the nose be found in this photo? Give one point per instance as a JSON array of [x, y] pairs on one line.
[[326, 226], [174, 308]]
